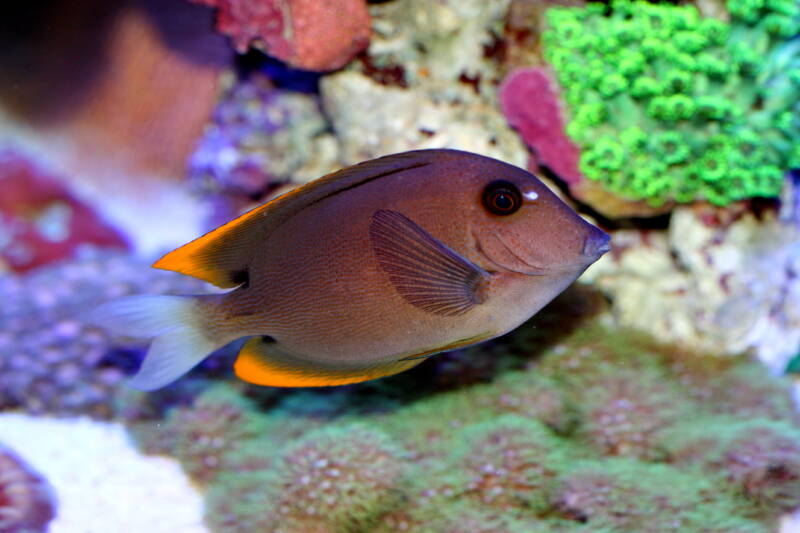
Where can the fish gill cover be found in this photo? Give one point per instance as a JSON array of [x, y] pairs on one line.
[[667, 105]]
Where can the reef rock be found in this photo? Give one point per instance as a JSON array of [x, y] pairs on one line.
[[371, 119], [306, 34], [450, 40], [718, 281], [27, 503]]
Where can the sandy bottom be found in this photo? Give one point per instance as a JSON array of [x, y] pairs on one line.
[[103, 484]]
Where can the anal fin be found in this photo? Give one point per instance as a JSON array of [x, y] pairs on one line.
[[267, 363]]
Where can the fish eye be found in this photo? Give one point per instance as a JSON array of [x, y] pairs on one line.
[[502, 198]]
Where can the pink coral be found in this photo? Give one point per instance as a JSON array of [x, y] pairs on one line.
[[41, 220], [26, 501], [530, 101], [307, 34]]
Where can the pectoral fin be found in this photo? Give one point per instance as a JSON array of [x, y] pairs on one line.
[[422, 269], [268, 363]]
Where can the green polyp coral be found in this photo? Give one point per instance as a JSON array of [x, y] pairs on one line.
[[624, 495], [508, 463], [339, 478], [582, 429], [755, 458], [717, 102]]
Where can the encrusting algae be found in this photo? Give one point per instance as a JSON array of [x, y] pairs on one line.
[[439, 249], [591, 430]]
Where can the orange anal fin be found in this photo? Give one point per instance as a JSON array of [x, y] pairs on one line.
[[264, 363]]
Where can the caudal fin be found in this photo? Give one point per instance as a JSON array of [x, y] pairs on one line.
[[174, 322]]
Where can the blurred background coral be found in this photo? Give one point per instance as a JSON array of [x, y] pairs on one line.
[[657, 394]]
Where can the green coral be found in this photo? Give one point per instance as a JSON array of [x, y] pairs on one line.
[[582, 429], [758, 459], [624, 495], [695, 86], [507, 463]]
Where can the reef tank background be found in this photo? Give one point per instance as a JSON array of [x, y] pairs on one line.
[[655, 395]]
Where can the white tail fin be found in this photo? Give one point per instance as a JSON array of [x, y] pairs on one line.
[[175, 322]]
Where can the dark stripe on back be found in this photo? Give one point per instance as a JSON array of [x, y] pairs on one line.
[[369, 179]]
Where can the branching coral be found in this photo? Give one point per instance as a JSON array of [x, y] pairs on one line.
[[667, 105], [27, 503]]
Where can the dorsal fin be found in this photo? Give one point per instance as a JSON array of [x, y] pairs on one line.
[[222, 256]]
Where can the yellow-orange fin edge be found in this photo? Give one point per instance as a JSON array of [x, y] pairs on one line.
[[267, 364], [220, 256]]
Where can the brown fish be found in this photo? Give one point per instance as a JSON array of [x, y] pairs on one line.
[[366, 272]]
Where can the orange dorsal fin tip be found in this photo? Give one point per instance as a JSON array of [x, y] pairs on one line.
[[222, 255], [267, 364]]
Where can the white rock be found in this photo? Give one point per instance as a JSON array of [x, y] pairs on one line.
[[103, 484], [724, 288]]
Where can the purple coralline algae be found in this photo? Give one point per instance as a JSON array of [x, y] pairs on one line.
[[27, 502], [51, 359], [260, 138]]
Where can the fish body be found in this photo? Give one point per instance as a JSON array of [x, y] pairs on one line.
[[367, 272]]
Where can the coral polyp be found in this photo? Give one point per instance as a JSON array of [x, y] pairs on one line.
[[27, 503], [758, 459], [624, 412], [206, 434], [508, 463], [623, 495], [52, 360], [340, 478], [712, 96], [601, 432]]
